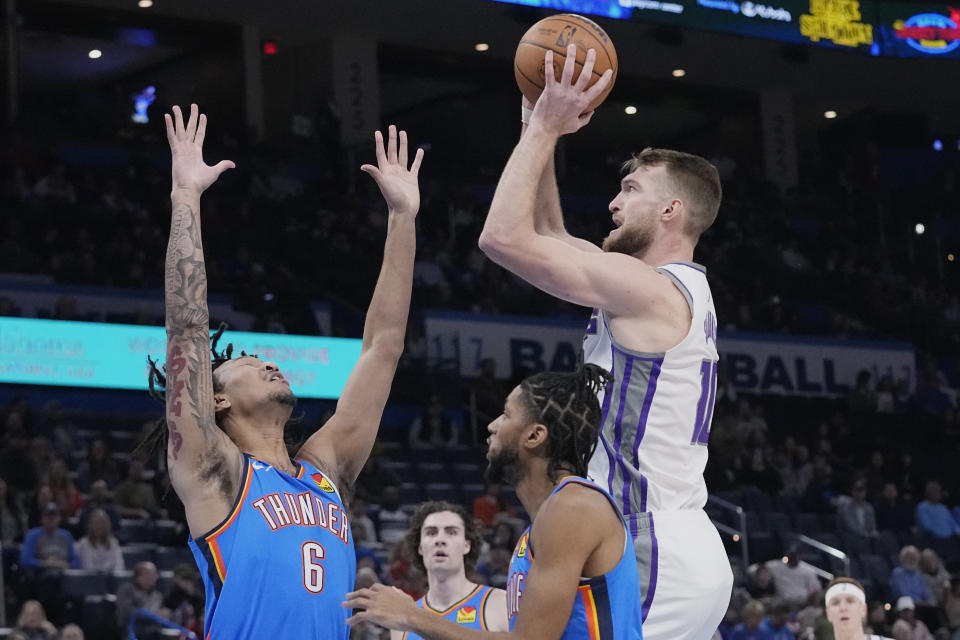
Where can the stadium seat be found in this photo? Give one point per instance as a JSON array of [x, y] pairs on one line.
[[135, 531], [134, 553], [808, 523], [432, 472], [466, 473], [756, 501], [877, 569], [5, 631], [79, 583], [763, 546], [442, 491], [411, 493], [97, 617], [167, 558], [777, 521], [404, 471], [886, 544]]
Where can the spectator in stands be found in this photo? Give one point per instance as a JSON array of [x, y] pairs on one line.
[[58, 428], [819, 493], [65, 493], [374, 477], [185, 600], [433, 428], [139, 593], [489, 392], [893, 513], [41, 498], [33, 624], [71, 632], [100, 499], [951, 606], [99, 465], [391, 518], [48, 547], [907, 627], [862, 399], [12, 521], [760, 587], [935, 576], [42, 455], [403, 574], [750, 628], [775, 625], [134, 496], [99, 550], [360, 520], [933, 517], [18, 467], [906, 580], [487, 506], [876, 474], [855, 516], [877, 619], [886, 395], [795, 583]]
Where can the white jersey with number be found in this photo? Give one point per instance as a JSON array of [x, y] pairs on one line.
[[658, 409]]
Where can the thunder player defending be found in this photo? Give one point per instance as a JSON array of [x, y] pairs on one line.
[[654, 329], [271, 535], [572, 575], [447, 543]]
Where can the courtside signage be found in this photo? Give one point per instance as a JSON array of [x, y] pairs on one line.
[[114, 356]]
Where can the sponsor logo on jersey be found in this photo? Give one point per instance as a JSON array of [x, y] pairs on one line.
[[322, 482], [466, 615], [259, 465], [522, 546]]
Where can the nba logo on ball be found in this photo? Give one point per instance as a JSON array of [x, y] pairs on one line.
[[466, 615]]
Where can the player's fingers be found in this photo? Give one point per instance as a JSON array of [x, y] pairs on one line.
[[600, 85], [357, 618], [201, 130], [391, 143], [381, 154], [177, 121], [417, 159], [192, 122], [402, 151], [587, 70], [567, 76], [549, 74], [171, 134]]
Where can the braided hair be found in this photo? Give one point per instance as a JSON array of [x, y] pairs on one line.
[[566, 403]]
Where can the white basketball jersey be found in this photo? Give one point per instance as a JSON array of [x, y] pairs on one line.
[[658, 409]]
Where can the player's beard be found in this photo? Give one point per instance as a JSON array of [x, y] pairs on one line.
[[633, 240], [504, 468], [283, 397]]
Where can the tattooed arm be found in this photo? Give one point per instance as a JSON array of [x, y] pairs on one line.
[[343, 444], [204, 463]]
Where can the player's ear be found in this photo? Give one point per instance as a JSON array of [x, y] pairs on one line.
[[672, 210], [220, 402], [536, 435]]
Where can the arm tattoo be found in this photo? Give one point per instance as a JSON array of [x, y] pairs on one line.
[[186, 275]]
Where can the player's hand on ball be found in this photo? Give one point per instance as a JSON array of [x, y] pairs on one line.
[[387, 606], [564, 106], [190, 172], [397, 183]]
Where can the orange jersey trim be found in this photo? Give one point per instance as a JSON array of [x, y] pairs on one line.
[[236, 509], [426, 605], [483, 609], [590, 608]]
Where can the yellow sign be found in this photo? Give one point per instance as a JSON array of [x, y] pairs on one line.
[[466, 615], [837, 21], [522, 546]]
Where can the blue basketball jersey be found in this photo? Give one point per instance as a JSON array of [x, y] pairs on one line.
[[468, 612], [607, 607], [280, 564]]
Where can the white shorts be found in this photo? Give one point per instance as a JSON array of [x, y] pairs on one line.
[[685, 577]]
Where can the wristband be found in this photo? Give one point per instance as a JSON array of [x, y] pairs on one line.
[[525, 114]]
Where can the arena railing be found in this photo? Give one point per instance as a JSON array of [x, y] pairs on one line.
[[825, 548], [166, 624], [737, 535]]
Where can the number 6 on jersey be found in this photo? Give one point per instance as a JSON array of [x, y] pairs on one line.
[[312, 553]]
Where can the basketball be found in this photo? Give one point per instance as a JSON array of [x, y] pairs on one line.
[[556, 33]]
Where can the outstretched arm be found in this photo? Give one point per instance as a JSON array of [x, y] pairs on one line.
[[194, 439], [342, 445], [547, 211], [549, 588]]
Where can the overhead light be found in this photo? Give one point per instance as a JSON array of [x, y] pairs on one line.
[[919, 228], [938, 145], [679, 73], [269, 47], [481, 46], [145, 4], [830, 115], [94, 53], [950, 257], [630, 110]]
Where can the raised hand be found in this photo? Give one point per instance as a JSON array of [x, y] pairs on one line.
[[563, 106], [190, 172], [398, 184]]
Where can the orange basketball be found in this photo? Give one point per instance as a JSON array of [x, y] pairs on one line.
[[556, 33]]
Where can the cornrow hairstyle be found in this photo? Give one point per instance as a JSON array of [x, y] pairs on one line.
[[470, 531], [566, 403]]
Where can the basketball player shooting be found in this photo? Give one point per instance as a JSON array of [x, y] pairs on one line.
[[271, 535], [653, 328], [572, 574]]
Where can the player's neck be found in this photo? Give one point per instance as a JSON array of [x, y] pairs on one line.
[[447, 588], [535, 487], [668, 249], [266, 445], [849, 634]]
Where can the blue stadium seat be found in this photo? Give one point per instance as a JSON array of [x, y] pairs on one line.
[[404, 471], [167, 558], [756, 501], [763, 546], [97, 616], [777, 521], [442, 491], [808, 523], [135, 531], [433, 472], [134, 553], [78, 583], [466, 473], [877, 569], [411, 493]]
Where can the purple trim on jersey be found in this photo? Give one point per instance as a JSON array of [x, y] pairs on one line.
[[632, 523], [692, 265], [618, 424], [603, 418], [643, 494], [641, 429], [654, 561]]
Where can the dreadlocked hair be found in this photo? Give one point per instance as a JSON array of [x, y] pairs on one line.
[[566, 403], [156, 439]]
